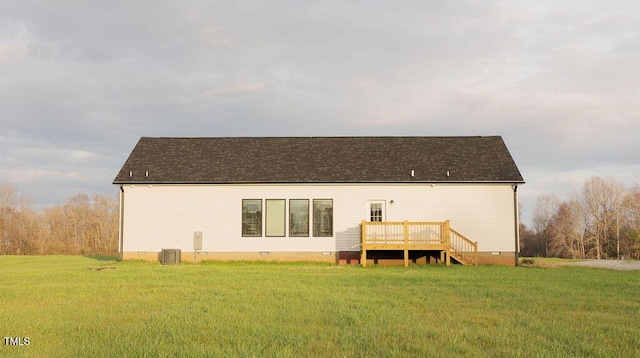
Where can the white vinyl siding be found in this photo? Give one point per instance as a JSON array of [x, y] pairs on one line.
[[165, 216]]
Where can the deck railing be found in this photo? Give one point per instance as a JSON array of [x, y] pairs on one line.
[[409, 235], [389, 232], [463, 248]]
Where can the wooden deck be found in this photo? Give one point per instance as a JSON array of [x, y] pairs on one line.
[[417, 236]]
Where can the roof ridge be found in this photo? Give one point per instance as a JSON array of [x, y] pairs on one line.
[[325, 137]]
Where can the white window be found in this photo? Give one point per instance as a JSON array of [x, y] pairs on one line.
[[376, 210]]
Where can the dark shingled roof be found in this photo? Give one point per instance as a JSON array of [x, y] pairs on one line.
[[319, 160]]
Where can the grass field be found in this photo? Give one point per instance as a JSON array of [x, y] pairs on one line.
[[99, 307]]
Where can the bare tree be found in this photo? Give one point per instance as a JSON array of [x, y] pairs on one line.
[[603, 200], [543, 215], [78, 212], [26, 227], [57, 232], [105, 223], [8, 199], [632, 223], [569, 231], [528, 241], [80, 226]]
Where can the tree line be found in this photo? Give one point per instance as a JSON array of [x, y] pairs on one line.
[[600, 221], [81, 226]]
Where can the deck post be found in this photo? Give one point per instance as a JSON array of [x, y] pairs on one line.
[[405, 233], [476, 250], [406, 243], [447, 239], [363, 248], [447, 233]]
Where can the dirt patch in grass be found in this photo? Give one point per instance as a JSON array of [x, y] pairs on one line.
[[101, 268], [621, 265]]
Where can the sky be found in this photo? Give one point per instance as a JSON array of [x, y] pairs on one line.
[[81, 81]]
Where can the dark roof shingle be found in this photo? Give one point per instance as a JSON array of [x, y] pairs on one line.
[[319, 160]]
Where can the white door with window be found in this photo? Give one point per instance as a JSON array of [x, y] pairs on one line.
[[376, 210]]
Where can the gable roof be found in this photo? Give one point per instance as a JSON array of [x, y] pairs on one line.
[[319, 160]]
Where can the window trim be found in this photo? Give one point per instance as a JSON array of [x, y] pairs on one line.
[[383, 209], [331, 234], [242, 229], [308, 218]]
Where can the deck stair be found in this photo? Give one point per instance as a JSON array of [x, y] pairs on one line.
[[410, 236]]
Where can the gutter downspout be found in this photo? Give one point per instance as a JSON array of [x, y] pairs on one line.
[[121, 225], [516, 221]]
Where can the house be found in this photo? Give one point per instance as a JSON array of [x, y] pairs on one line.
[[358, 199]]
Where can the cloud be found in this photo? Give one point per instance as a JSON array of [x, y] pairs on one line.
[[237, 89], [82, 81], [212, 38], [29, 175]]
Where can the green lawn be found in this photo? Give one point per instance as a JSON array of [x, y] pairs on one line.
[[67, 307]]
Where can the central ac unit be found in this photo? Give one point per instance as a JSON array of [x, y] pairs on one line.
[[170, 256]]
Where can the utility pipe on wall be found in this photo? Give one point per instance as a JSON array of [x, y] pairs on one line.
[[121, 225], [516, 220]]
